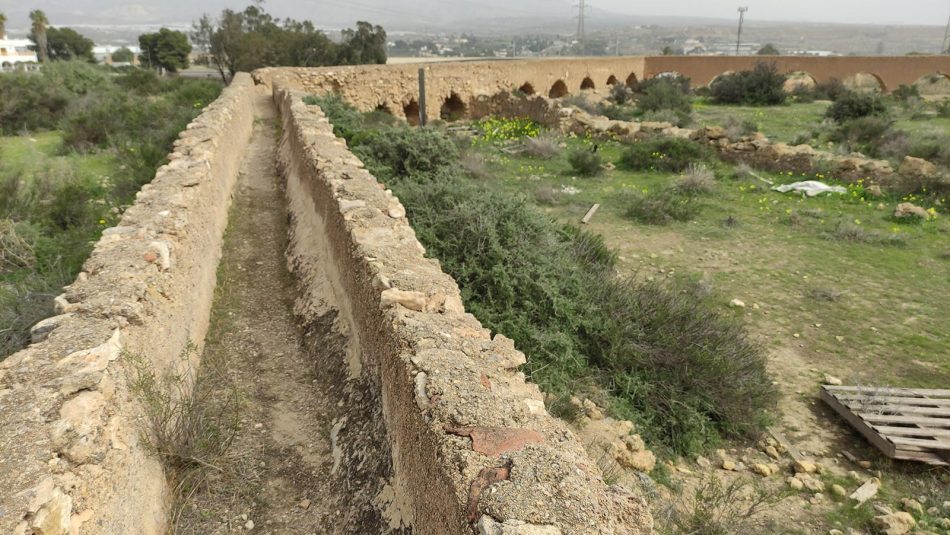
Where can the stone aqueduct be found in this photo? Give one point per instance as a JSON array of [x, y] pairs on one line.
[[394, 88], [71, 455]]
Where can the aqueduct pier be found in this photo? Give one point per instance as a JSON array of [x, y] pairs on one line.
[[471, 447], [453, 86]]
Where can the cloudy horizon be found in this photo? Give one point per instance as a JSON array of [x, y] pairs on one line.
[[416, 13]]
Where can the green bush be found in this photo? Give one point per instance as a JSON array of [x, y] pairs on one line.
[[670, 357], [864, 134], [854, 105], [680, 82], [905, 93], [664, 95], [399, 151], [585, 162], [662, 207], [28, 102], [662, 154], [831, 90], [762, 86], [77, 77]]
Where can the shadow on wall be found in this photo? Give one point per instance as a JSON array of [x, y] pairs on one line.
[[558, 90], [411, 111], [453, 108]]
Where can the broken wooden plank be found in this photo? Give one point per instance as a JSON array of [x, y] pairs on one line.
[[920, 443], [862, 427], [896, 419], [938, 393], [911, 431], [590, 214], [874, 400], [898, 409]]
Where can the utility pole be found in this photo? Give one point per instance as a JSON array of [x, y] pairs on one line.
[[945, 49], [742, 11], [581, 16]]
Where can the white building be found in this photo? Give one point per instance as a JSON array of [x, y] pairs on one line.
[[15, 54]]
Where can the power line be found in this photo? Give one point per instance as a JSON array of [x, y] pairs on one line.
[[945, 49], [581, 16], [742, 11]]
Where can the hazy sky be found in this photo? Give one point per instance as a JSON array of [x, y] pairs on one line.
[[929, 12]]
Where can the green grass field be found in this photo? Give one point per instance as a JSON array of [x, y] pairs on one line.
[[869, 313]]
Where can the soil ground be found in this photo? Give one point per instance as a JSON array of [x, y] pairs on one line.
[[277, 476]]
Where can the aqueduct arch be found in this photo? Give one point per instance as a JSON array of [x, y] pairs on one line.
[[558, 90], [453, 108], [632, 80], [411, 111], [587, 83], [612, 80], [866, 81], [527, 88]]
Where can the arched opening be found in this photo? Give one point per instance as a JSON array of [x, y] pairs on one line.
[[411, 111], [558, 90], [587, 83], [935, 84], [865, 82], [612, 80], [453, 108], [632, 81], [526, 88], [799, 81], [6, 66], [383, 107]]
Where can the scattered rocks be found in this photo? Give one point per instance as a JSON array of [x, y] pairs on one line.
[[795, 483], [804, 467], [832, 380], [906, 210], [763, 470], [839, 491], [737, 303], [772, 452], [703, 462], [411, 300], [866, 491], [897, 523], [912, 506], [916, 167], [728, 465]]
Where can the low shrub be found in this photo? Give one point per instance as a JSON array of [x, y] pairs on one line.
[[715, 507], [28, 102], [904, 93], [663, 94], [864, 134], [620, 93], [582, 103], [851, 232], [668, 355], [475, 165], [662, 154], [762, 86], [678, 81], [545, 146], [662, 207], [585, 161], [738, 128], [405, 151], [855, 105], [831, 90], [618, 112], [675, 118], [698, 179]]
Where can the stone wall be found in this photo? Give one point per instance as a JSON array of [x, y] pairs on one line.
[[71, 458], [472, 443], [396, 87]]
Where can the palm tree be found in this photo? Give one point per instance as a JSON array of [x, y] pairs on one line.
[[3, 25], [40, 22]]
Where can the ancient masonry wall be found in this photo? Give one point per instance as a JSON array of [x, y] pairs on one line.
[[70, 456], [472, 443]]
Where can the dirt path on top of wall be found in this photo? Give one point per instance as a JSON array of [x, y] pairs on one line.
[[281, 473]]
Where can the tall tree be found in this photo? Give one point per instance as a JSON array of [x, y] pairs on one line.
[[3, 25], [769, 50], [166, 49], [40, 23], [123, 55], [66, 44]]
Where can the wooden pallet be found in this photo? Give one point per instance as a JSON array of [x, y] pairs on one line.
[[904, 423]]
